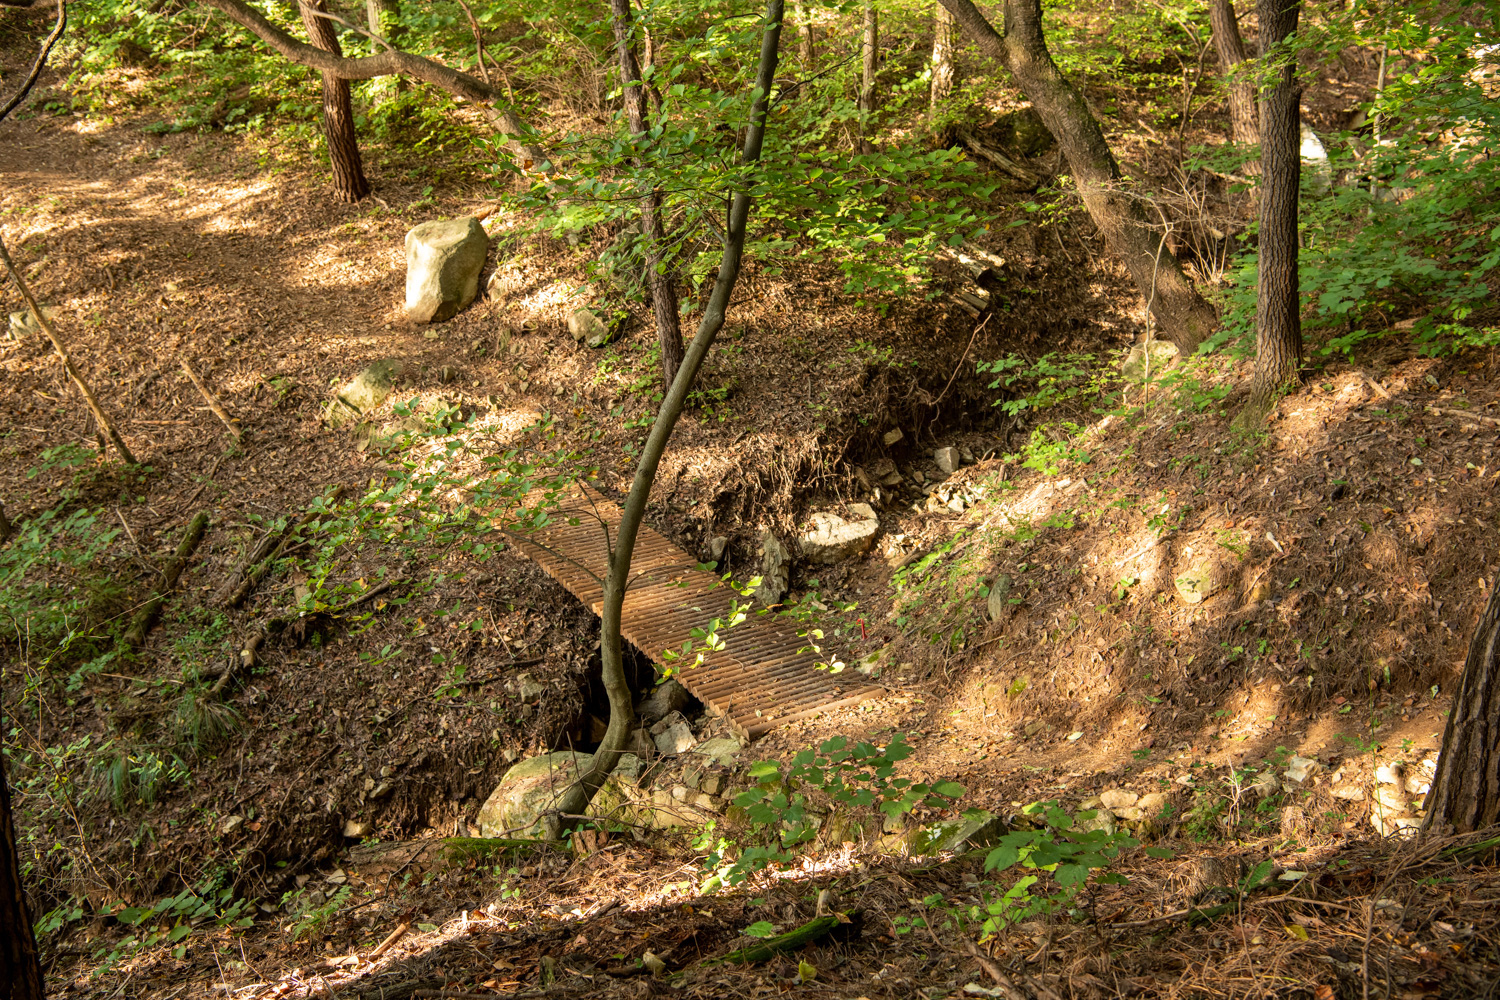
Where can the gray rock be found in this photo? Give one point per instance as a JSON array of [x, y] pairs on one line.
[[958, 834], [720, 750], [1265, 784], [364, 392], [676, 738], [1149, 359], [999, 603], [23, 324], [529, 688], [832, 539], [586, 327], [231, 825], [774, 574], [668, 697], [1299, 769], [716, 547], [443, 261], [948, 460], [529, 789]]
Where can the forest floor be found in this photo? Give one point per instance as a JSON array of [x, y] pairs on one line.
[[1352, 542]]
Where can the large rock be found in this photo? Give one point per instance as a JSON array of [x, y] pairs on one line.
[[23, 324], [443, 261], [833, 539], [533, 786], [669, 697]]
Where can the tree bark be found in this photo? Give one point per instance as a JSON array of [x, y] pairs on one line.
[[392, 62], [1183, 315], [1278, 325], [20, 966], [338, 115], [806, 50], [1465, 794], [1244, 119], [659, 276], [944, 57], [621, 714], [869, 50]]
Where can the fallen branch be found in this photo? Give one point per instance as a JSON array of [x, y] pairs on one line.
[[1463, 414], [258, 569], [62, 352], [773, 946], [41, 59], [1001, 979], [208, 397], [146, 616], [390, 939]]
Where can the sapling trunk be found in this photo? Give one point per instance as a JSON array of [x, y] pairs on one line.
[[621, 709]]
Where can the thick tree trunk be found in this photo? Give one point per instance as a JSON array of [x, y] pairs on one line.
[[869, 50], [1184, 316], [1278, 324], [944, 57], [20, 968], [805, 49], [338, 114], [577, 798], [1244, 119], [659, 276], [1465, 793]]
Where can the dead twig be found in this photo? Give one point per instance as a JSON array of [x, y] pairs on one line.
[[390, 939], [62, 352], [208, 397], [146, 616], [1463, 414]]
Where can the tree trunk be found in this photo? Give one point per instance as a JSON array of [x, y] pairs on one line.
[[338, 115], [1183, 315], [944, 57], [1278, 325], [659, 276], [805, 49], [20, 967], [1244, 119], [577, 797], [1465, 791], [869, 49]]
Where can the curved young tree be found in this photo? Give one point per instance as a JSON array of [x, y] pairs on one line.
[[621, 706], [1185, 317], [1278, 322], [338, 115]]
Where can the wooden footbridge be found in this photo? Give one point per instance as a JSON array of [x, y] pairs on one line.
[[761, 679]]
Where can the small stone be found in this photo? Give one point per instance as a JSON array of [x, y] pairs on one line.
[[1130, 814], [1299, 769], [863, 511], [652, 964], [363, 393], [680, 793], [23, 324], [1118, 798], [231, 825], [948, 460], [668, 697], [1349, 792], [676, 738], [443, 261], [1390, 774], [1265, 784], [354, 829], [720, 750], [891, 436], [640, 743], [381, 790], [1152, 803], [714, 784], [586, 327], [1103, 819], [716, 547], [1032, 728], [1392, 798], [774, 575], [833, 539], [1156, 356], [999, 602], [530, 689], [447, 374]]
